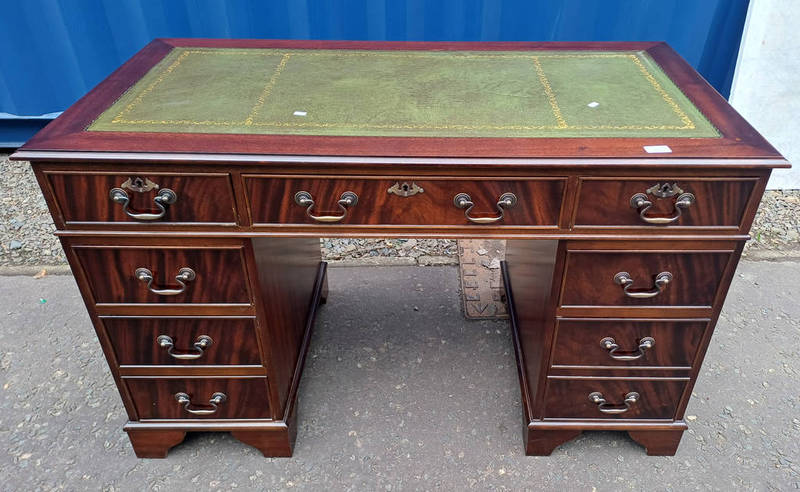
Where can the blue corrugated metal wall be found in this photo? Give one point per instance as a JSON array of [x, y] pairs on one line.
[[53, 51]]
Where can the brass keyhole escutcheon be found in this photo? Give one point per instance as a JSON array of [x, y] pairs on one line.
[[405, 189]]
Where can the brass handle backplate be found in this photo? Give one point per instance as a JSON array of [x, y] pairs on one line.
[[184, 275], [200, 345], [611, 345], [605, 407], [624, 279], [506, 201], [163, 199], [642, 203], [348, 199], [216, 400]]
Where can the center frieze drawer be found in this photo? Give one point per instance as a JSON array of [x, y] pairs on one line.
[[627, 342], [533, 202], [165, 274], [599, 398], [193, 398], [142, 198], [643, 278], [183, 341]]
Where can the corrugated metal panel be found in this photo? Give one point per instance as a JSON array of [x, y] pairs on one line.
[[54, 51]]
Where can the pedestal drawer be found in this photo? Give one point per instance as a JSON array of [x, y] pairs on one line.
[[198, 398], [673, 202], [183, 341], [143, 197], [427, 201], [627, 343], [642, 278], [613, 398], [165, 274]]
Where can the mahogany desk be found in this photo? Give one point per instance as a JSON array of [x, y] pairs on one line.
[[190, 188]]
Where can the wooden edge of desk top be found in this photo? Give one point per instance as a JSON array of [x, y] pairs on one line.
[[739, 139]]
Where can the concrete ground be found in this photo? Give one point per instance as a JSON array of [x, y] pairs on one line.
[[400, 392]]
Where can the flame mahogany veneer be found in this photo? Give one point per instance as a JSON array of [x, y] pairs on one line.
[[199, 262]]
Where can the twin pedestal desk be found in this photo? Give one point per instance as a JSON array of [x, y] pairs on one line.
[[190, 189]]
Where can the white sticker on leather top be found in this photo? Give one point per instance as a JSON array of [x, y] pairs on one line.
[[657, 149], [300, 113]]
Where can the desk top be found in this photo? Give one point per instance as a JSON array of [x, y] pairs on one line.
[[405, 100]]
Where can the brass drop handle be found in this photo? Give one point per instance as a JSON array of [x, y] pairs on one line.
[[624, 279], [506, 201], [200, 345], [610, 344], [184, 275], [605, 407], [216, 400], [163, 199], [348, 199], [640, 202]]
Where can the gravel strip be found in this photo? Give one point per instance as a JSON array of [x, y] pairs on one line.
[[27, 240], [26, 230], [776, 229], [422, 251]]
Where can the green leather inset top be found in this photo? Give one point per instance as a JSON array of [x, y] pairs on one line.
[[407, 93]]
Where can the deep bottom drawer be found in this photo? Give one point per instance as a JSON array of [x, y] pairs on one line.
[[244, 398], [583, 398]]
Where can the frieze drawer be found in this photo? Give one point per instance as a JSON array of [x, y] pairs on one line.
[[663, 203], [142, 198], [534, 202]]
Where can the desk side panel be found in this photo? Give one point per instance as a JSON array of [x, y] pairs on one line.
[[534, 271], [287, 271]]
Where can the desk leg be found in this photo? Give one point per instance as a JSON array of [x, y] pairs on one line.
[[154, 443], [658, 442], [271, 444], [543, 442]]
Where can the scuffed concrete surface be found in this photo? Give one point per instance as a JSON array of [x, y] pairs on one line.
[[400, 392]]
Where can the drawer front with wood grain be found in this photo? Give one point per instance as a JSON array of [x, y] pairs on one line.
[[165, 274], [643, 278], [183, 341], [627, 343], [534, 202], [199, 398], [716, 203], [143, 198], [612, 398]]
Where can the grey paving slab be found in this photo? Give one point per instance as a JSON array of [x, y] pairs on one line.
[[400, 393]]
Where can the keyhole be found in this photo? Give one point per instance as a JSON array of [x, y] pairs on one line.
[[405, 186], [138, 182], [665, 188]]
